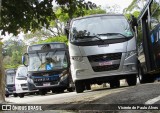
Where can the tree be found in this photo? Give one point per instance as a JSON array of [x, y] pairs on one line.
[[75, 7], [29, 15], [56, 27], [135, 4], [12, 52], [112, 9]]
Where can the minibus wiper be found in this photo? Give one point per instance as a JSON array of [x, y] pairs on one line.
[[113, 34], [94, 36]]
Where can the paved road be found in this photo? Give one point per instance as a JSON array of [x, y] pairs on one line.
[[139, 94]]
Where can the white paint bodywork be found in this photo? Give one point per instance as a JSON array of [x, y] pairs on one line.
[[84, 67]]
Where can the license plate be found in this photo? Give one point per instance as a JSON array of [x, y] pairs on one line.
[[46, 84], [105, 63]]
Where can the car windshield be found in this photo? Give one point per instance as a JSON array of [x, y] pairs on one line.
[[22, 72], [104, 27], [10, 78], [47, 61]]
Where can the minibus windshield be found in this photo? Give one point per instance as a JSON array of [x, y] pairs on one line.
[[105, 27]]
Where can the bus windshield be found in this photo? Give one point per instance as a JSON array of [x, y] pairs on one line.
[[47, 61], [100, 27]]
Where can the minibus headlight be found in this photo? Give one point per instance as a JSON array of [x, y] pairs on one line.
[[77, 58], [130, 53]]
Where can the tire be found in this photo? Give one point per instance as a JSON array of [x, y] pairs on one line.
[[60, 91], [37, 93], [144, 78], [32, 93], [21, 95], [88, 87], [132, 80], [79, 86], [115, 83], [53, 91], [7, 95], [42, 92], [71, 89], [15, 95]]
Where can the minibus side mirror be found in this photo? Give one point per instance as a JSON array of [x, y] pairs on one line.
[[67, 28], [66, 31], [133, 21], [25, 59]]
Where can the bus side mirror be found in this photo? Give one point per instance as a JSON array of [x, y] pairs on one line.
[[25, 59]]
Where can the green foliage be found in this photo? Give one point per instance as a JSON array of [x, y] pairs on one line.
[[132, 5], [94, 11], [55, 39], [30, 15], [75, 7], [12, 52], [25, 14], [135, 14], [58, 24]]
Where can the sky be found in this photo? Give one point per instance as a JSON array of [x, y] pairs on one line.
[[122, 3]]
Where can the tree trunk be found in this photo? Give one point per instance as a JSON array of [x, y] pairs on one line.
[[2, 80]]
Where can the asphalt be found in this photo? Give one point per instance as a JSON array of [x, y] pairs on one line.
[[124, 100]]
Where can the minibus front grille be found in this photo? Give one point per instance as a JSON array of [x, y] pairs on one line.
[[24, 88], [106, 68], [104, 57]]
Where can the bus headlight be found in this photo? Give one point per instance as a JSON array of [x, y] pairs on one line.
[[130, 53], [77, 58]]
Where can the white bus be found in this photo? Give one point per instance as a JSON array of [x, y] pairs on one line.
[[102, 49]]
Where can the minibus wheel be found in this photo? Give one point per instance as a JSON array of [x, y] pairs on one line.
[[60, 91], [15, 94], [132, 80], [42, 92], [21, 95], [88, 86], [114, 83], [79, 86]]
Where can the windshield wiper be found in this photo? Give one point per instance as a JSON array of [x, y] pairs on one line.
[[113, 34], [94, 36]]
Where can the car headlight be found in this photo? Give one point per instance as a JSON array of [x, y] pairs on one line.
[[77, 58], [130, 53]]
